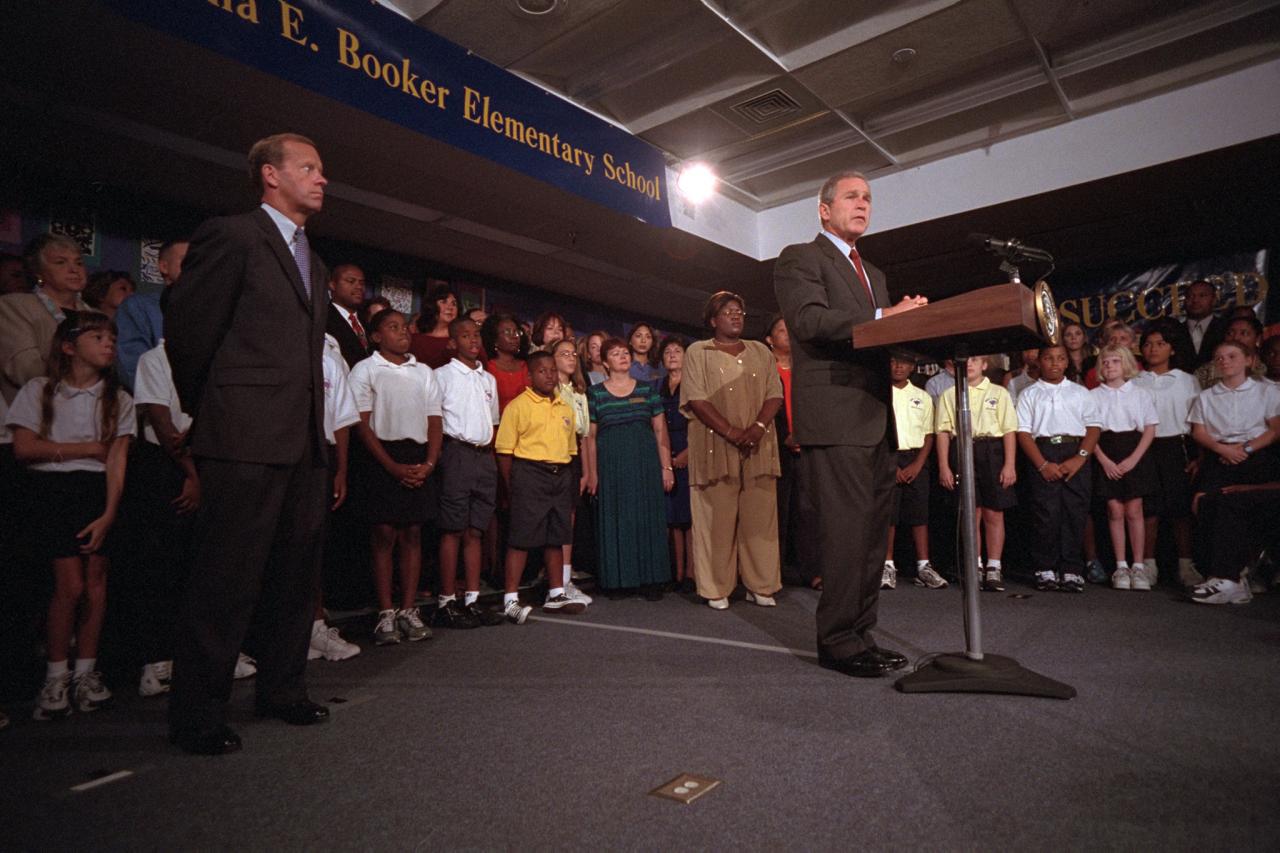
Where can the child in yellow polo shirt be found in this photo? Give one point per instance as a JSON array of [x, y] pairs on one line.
[[995, 427], [535, 444]]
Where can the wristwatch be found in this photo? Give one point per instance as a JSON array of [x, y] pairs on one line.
[[1248, 449], [1082, 453]]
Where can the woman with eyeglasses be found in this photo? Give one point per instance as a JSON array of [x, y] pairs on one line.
[[731, 392]]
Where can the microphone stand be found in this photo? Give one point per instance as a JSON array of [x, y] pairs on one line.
[[973, 671]]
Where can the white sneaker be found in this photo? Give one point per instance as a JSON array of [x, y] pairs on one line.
[[411, 626], [1189, 577], [926, 576], [516, 612], [718, 603], [327, 643], [52, 703], [1121, 578], [88, 693], [386, 632], [1139, 578], [572, 592], [1222, 591], [762, 600], [1152, 573], [155, 678], [889, 577], [246, 667]]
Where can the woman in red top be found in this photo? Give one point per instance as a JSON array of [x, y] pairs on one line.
[[432, 345], [796, 557], [502, 340]]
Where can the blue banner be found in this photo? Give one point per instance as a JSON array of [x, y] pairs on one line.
[[1138, 298], [372, 59]]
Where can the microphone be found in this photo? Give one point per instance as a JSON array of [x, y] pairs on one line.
[[1012, 249]]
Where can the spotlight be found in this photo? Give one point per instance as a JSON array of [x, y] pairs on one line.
[[697, 182]]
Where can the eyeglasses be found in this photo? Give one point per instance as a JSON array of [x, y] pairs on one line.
[[733, 312]]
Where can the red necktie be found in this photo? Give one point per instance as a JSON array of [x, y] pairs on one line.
[[862, 275], [358, 329]]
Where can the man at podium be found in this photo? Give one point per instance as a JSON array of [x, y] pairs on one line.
[[842, 411]]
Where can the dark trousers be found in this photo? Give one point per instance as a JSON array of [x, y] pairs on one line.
[[1059, 510], [798, 548], [850, 489], [255, 554], [1232, 528]]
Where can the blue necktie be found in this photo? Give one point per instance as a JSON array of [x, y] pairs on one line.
[[302, 256]]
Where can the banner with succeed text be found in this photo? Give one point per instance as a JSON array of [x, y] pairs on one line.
[[372, 59]]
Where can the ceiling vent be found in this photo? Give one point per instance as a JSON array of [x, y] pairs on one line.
[[767, 108]]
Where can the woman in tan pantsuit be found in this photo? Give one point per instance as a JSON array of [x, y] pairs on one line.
[[730, 393]]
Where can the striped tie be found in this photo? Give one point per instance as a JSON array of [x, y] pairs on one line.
[[302, 256]]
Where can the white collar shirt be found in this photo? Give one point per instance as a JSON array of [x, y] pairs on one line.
[[339, 405], [287, 227], [1020, 382], [77, 418], [1065, 408], [398, 397], [153, 385], [469, 399], [1128, 408], [1236, 415], [1173, 391]]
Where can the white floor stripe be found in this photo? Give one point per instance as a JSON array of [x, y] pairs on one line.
[[102, 780], [671, 635]]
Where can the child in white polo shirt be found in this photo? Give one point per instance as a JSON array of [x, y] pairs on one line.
[[72, 429], [1058, 427], [399, 403]]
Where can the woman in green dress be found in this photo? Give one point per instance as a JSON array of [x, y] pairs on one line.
[[631, 469]]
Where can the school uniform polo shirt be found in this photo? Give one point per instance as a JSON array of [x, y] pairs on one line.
[[153, 386], [1128, 408], [1232, 415], [1174, 392], [469, 399], [77, 418], [398, 397], [990, 407], [537, 428], [913, 415], [339, 404], [1062, 408]]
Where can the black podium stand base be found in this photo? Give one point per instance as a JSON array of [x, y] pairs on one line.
[[956, 673]]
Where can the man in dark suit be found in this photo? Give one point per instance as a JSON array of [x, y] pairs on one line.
[[1204, 328], [346, 292], [842, 414], [244, 330]]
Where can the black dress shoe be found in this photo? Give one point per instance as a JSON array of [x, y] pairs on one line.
[[487, 618], [894, 659], [304, 713], [216, 741], [454, 615], [865, 664]]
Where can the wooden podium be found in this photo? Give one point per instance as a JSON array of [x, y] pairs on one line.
[[993, 319]]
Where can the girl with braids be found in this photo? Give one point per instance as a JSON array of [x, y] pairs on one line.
[[72, 428]]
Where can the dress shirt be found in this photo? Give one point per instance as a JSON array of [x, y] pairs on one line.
[[845, 249], [339, 404], [139, 328], [153, 385], [399, 397], [1020, 382], [913, 416], [288, 228], [469, 398], [1197, 328], [1129, 408], [939, 382], [990, 408], [1064, 408], [1234, 415], [1174, 391], [77, 418]]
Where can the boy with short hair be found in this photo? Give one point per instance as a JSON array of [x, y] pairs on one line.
[[535, 444], [994, 458], [913, 416], [1058, 427], [468, 475]]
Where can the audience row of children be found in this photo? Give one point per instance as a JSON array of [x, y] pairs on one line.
[[1157, 443]]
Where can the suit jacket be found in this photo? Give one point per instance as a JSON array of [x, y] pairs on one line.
[[245, 343], [839, 396], [1214, 334], [348, 340]]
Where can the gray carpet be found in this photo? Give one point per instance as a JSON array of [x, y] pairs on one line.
[[550, 736]]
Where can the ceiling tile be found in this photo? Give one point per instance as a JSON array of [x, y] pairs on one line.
[[983, 125], [498, 32]]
